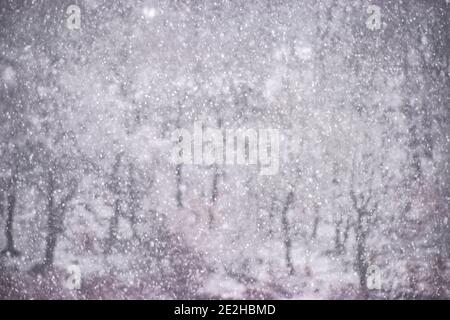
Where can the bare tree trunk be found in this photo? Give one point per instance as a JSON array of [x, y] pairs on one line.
[[438, 276], [214, 194], [287, 238], [133, 198], [447, 117], [342, 228], [52, 223], [316, 222], [215, 183], [2, 198], [55, 219], [114, 222], [362, 231], [52, 228], [179, 167], [337, 236], [361, 260], [10, 208], [113, 226], [179, 194], [345, 234]]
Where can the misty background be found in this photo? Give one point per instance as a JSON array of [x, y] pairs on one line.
[[358, 209]]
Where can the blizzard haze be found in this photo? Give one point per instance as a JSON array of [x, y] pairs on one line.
[[115, 177]]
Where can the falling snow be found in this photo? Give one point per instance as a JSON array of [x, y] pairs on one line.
[[92, 205]]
